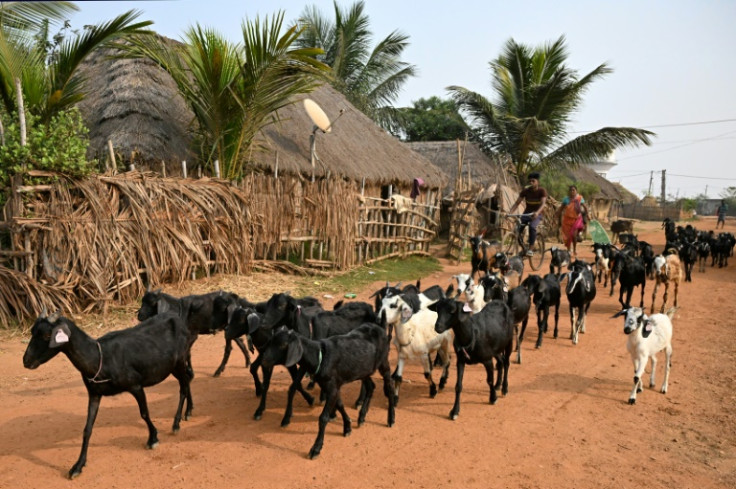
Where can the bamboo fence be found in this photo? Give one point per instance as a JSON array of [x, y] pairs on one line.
[[81, 245]]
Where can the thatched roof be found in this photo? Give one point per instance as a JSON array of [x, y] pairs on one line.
[[608, 190], [136, 105], [484, 171], [355, 147]]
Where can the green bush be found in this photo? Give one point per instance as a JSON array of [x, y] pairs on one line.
[[557, 186], [61, 147]]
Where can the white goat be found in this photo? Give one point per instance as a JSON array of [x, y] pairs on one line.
[[647, 336], [475, 295], [416, 339], [463, 281]]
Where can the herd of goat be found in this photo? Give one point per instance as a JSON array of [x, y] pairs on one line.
[[352, 341]]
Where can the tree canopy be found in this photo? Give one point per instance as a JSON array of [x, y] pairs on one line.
[[536, 94]]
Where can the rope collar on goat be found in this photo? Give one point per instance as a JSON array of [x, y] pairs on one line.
[[465, 349], [319, 362], [99, 369]]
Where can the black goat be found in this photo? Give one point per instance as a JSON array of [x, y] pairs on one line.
[[646, 252], [195, 310], [247, 321], [688, 257], [222, 309], [479, 338], [559, 258], [483, 258], [504, 263], [120, 361], [333, 362], [631, 273], [282, 308], [520, 302], [546, 292], [605, 254], [621, 226], [580, 293]]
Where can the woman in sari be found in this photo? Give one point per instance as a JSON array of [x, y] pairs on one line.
[[572, 212]]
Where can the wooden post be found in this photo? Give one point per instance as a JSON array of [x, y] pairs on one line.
[[199, 171], [113, 163], [30, 265], [163, 169], [217, 168], [184, 168]]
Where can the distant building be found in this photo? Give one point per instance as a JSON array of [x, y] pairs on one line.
[[603, 166]]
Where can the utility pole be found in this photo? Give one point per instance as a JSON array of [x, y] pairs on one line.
[[706, 192], [664, 194], [651, 180]]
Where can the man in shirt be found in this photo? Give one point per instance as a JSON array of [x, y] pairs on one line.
[[535, 197]]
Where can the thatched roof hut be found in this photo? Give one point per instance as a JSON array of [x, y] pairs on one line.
[[478, 169], [355, 147], [136, 105]]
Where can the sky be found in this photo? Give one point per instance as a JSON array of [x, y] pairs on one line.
[[673, 61]]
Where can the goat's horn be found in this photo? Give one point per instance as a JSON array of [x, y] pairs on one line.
[[44, 313]]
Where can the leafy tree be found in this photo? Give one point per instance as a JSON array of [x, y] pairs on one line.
[[536, 96], [60, 146], [235, 89], [433, 119], [370, 79], [557, 185], [728, 193]]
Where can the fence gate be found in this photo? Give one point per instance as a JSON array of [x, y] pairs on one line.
[[461, 223]]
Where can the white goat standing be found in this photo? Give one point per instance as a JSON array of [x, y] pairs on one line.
[[667, 271], [647, 336], [416, 339]]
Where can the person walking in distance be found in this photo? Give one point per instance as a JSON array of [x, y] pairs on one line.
[[721, 211], [572, 211], [535, 198]]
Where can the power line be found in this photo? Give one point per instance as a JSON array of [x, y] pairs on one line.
[[702, 178], [675, 124], [678, 147]]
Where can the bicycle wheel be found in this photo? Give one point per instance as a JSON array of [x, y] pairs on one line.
[[536, 260], [509, 243]]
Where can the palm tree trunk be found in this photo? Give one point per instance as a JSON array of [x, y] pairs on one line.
[[21, 111]]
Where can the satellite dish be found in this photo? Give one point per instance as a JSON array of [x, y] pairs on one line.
[[317, 115]]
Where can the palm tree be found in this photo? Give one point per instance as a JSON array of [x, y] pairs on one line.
[[234, 90], [50, 86], [536, 97], [370, 79]]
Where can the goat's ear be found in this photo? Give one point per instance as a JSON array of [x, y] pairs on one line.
[[230, 311], [620, 313], [254, 322], [162, 306], [294, 352], [450, 289], [60, 335]]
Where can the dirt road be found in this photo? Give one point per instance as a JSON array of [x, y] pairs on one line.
[[564, 424]]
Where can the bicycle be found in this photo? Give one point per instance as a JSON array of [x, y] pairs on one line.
[[517, 238]]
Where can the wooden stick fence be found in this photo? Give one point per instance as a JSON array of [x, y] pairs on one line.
[[110, 236]]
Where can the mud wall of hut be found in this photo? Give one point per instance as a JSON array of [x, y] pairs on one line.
[[83, 245]]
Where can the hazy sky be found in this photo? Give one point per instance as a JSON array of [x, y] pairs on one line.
[[674, 65]]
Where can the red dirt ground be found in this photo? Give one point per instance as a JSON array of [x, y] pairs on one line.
[[564, 423]]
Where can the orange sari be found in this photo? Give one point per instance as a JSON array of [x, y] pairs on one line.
[[572, 219]]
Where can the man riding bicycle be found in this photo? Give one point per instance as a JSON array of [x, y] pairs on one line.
[[535, 198]]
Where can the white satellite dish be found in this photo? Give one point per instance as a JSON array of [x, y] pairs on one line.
[[317, 115]]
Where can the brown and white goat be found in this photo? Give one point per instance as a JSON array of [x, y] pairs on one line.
[[667, 271]]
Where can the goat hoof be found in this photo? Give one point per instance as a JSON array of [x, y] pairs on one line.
[[432, 391], [75, 472], [152, 446], [313, 454], [663, 390], [285, 423], [257, 416], [632, 401], [453, 416], [217, 374], [348, 433]]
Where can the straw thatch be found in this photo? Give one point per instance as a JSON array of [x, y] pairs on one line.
[[135, 104], [478, 168], [607, 190], [355, 148]]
